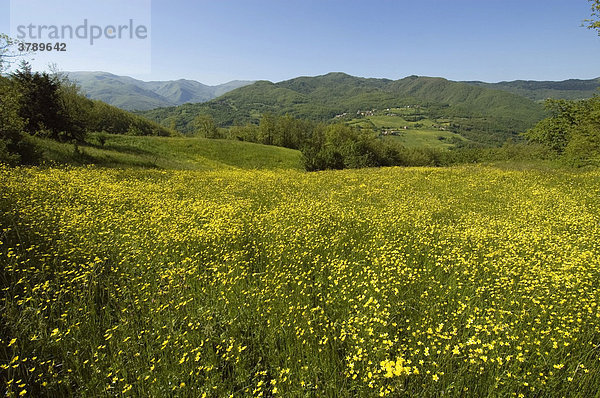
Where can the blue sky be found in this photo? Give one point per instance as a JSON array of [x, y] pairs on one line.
[[491, 40]]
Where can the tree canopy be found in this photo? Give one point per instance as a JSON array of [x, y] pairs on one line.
[[594, 21], [8, 52]]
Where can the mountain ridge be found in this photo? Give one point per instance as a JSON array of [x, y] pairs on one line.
[[538, 90], [323, 98], [132, 94]]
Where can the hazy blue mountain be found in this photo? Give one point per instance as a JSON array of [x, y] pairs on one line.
[[132, 94], [571, 89]]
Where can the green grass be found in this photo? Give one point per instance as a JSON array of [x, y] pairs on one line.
[[169, 153], [424, 133]]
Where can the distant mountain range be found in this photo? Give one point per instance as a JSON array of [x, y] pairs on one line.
[[481, 114], [487, 113], [132, 94]]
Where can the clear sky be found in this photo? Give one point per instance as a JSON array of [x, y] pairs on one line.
[[491, 40]]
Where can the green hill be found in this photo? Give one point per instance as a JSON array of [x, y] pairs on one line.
[[121, 151], [480, 114], [572, 89]]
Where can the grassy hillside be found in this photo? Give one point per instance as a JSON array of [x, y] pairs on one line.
[[572, 89], [168, 153], [479, 114], [459, 282]]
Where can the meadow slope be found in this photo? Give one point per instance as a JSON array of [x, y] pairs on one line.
[[467, 281], [173, 153]]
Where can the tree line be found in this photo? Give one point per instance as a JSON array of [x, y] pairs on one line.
[[330, 146]]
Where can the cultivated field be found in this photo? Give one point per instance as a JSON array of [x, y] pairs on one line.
[[411, 128], [467, 281]]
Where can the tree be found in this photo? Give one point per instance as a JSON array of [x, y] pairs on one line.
[[11, 124], [8, 54], [39, 102], [555, 131], [14, 147], [205, 126], [248, 132], [267, 129], [75, 107], [47, 108], [594, 22], [572, 131]]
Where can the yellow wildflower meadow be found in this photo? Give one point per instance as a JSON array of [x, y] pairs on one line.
[[467, 281]]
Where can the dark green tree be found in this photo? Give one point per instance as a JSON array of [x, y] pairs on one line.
[[42, 107], [11, 124]]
